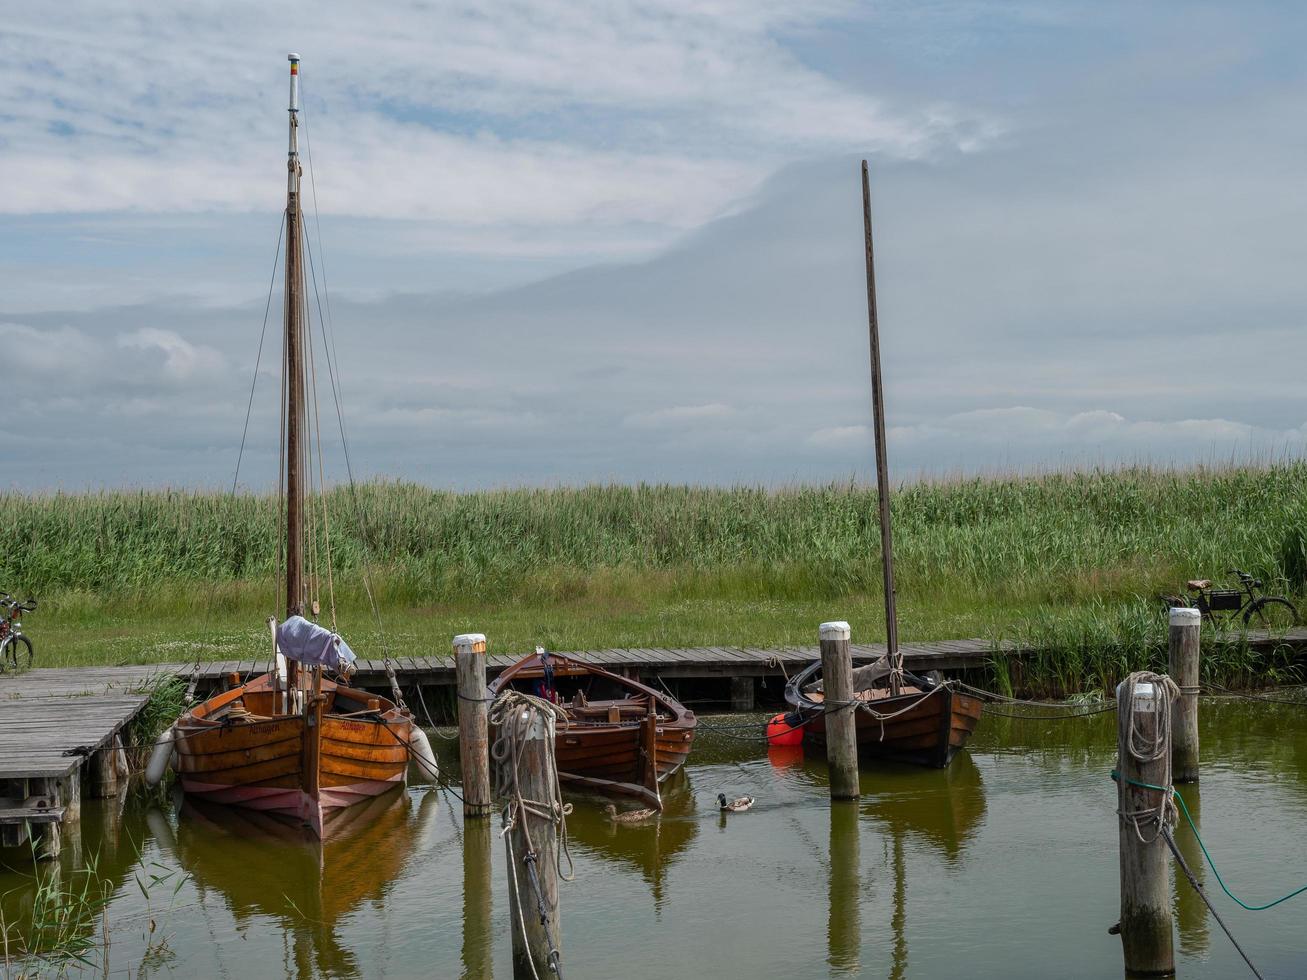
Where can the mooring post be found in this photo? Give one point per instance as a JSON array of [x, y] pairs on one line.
[[108, 770], [473, 739], [532, 850], [841, 721], [741, 693], [1145, 925], [1183, 668]]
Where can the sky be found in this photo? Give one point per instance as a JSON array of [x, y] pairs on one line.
[[564, 242]]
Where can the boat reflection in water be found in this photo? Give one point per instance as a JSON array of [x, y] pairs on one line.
[[650, 847], [265, 865]]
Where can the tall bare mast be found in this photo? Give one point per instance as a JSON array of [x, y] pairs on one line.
[[882, 469], [294, 367]]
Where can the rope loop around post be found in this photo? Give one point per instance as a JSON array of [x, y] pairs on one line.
[[514, 716], [1140, 693]]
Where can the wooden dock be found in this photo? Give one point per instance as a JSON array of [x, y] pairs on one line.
[[742, 666], [55, 749]]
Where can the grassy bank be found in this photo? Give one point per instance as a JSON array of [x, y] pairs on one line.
[[1074, 558]]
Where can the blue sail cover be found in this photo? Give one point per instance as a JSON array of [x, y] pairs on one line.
[[305, 641]]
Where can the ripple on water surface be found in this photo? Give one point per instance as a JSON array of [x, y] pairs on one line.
[[1004, 864]]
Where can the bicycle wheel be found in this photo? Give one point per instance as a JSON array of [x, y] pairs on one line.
[[1271, 613], [11, 658]]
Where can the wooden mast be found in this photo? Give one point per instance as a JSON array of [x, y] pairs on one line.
[[882, 473], [296, 446], [294, 366]]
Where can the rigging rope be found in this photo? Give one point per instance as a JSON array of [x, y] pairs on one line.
[[258, 359], [1265, 698], [1198, 887], [329, 352]]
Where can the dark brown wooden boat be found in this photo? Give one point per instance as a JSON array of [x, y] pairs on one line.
[[926, 723], [293, 741], [621, 737], [899, 715]]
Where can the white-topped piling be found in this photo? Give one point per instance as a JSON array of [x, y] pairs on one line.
[[1183, 650], [840, 718], [473, 732]]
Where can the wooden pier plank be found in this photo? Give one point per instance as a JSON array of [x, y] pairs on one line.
[[38, 732]]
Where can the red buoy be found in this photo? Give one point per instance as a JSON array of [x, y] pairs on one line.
[[781, 732]]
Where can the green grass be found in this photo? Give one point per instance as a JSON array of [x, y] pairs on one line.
[[1072, 559]]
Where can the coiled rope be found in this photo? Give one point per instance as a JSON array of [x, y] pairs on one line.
[[1161, 819], [1144, 748], [515, 716]]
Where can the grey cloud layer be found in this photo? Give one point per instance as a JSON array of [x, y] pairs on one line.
[[739, 354]]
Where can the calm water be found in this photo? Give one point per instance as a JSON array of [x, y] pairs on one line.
[[1003, 865]]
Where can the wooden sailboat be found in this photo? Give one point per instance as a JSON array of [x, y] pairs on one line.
[[621, 737], [904, 717], [293, 741]]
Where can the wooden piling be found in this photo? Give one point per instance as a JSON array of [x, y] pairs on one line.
[[1186, 625], [1145, 926], [533, 939], [109, 772], [841, 729], [741, 693], [473, 737]]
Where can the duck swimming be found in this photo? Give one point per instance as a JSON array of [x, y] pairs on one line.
[[630, 816], [734, 806]]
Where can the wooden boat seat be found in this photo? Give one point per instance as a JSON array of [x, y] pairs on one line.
[[875, 694], [610, 712]]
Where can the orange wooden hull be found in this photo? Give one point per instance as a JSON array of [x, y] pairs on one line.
[[236, 749]]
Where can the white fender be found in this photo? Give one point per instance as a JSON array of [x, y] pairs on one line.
[[160, 757], [420, 747]]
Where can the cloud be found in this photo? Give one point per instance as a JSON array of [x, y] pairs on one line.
[[680, 416], [56, 351], [579, 241], [182, 360], [540, 112]]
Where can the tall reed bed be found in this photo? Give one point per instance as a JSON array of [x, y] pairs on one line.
[[1058, 537]]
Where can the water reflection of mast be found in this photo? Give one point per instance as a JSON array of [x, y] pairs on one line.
[[843, 932], [899, 919]]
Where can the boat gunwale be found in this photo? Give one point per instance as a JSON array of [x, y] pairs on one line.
[[682, 717]]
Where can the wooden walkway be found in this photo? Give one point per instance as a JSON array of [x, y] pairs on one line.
[[670, 663], [48, 738], [950, 656], [48, 741]]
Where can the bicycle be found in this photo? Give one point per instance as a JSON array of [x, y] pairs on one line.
[[11, 634], [1259, 611]]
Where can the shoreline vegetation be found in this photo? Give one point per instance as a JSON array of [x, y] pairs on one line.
[[1070, 563]]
